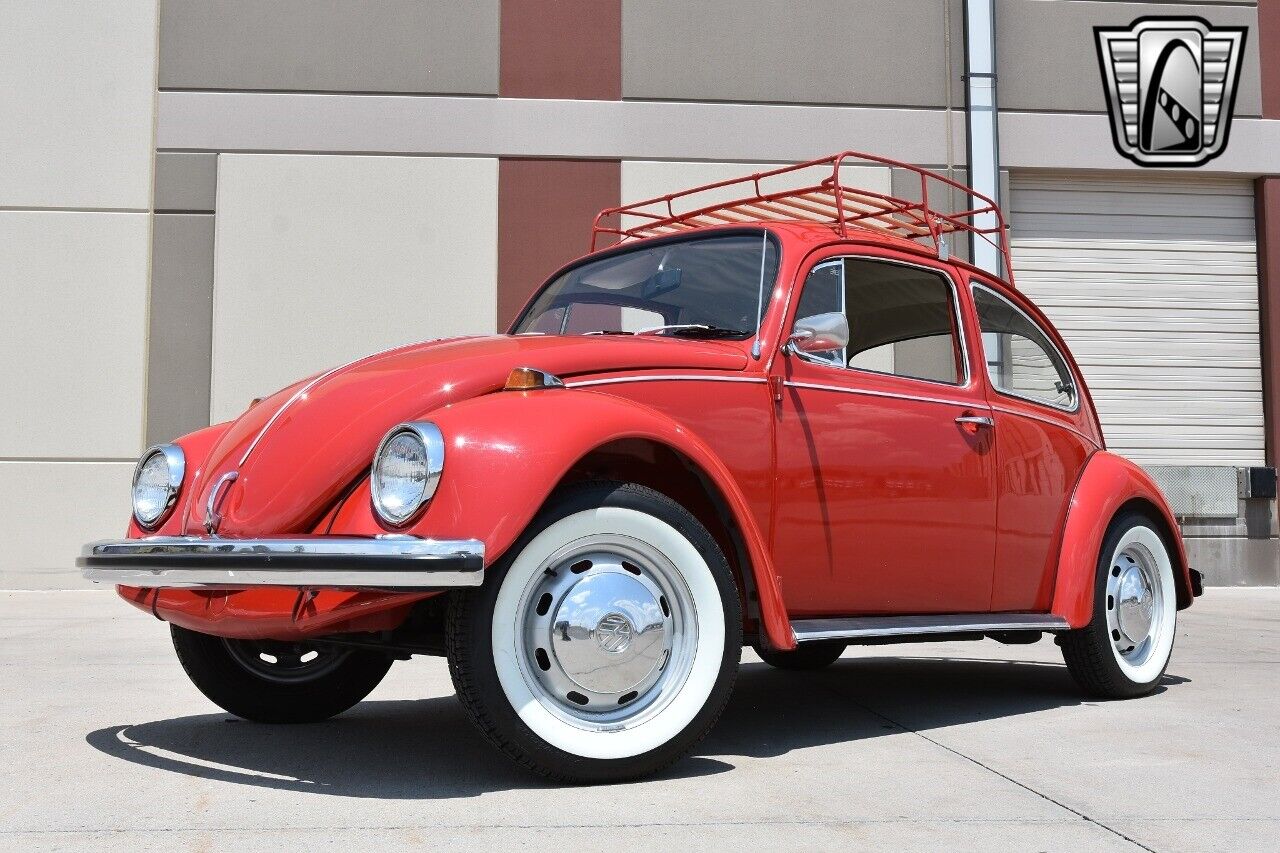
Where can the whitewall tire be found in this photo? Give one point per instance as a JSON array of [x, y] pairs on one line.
[[605, 644], [1126, 647]]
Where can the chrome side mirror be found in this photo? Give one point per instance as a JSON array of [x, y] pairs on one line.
[[820, 333]]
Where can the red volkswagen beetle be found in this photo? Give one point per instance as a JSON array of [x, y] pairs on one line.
[[790, 419]]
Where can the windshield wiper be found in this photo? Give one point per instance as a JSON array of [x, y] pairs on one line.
[[694, 330], [608, 332]]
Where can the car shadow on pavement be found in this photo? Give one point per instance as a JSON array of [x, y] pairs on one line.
[[426, 749]]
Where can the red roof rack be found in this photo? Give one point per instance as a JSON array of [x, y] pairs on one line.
[[828, 202]]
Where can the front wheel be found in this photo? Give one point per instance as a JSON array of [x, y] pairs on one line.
[[271, 681], [605, 645], [1125, 648]]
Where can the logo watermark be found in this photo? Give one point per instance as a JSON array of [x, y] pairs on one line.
[[1171, 88]]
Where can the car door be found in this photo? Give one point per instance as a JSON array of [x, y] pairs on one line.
[[1043, 442], [885, 495]]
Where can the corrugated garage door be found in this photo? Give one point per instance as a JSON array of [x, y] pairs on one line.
[[1153, 282]]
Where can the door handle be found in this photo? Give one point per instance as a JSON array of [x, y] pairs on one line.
[[972, 423]]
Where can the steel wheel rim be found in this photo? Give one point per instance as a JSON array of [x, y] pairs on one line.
[[284, 663], [1135, 604], [606, 645]]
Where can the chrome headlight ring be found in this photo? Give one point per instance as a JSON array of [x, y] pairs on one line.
[[157, 479], [406, 471]]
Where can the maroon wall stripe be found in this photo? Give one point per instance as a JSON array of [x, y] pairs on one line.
[[545, 211], [569, 49], [561, 49], [1268, 48]]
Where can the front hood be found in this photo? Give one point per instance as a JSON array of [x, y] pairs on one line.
[[295, 452]]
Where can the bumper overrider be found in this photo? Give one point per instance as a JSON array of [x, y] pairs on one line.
[[335, 562]]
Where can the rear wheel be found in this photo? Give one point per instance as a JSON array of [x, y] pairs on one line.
[[1125, 648], [808, 656], [270, 681], [605, 645]]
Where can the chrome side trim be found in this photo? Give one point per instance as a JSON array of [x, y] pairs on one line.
[[813, 386], [1017, 413], [685, 377], [856, 627], [341, 562]]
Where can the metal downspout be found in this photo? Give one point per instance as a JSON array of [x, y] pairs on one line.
[[982, 131]]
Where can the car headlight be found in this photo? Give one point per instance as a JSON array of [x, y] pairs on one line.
[[156, 481], [406, 470]]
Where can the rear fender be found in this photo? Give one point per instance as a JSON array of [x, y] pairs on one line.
[[1108, 485], [506, 452]]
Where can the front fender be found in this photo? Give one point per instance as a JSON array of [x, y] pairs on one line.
[[506, 452], [195, 448], [1108, 483]]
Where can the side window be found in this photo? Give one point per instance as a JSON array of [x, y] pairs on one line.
[[901, 318], [1021, 360]]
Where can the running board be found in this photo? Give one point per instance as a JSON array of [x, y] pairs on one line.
[[856, 627]]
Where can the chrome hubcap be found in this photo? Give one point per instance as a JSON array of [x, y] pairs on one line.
[[1134, 603], [609, 632]]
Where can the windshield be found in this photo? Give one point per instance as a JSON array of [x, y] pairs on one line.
[[701, 287]]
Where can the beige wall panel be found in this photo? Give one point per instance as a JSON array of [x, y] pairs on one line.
[[819, 51], [547, 127], [73, 332], [42, 537], [650, 130], [1083, 141], [643, 179], [1048, 59], [76, 103], [323, 259]]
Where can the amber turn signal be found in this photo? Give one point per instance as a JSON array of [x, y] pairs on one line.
[[531, 379]]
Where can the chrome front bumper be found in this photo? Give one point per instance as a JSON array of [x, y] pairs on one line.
[[337, 562]]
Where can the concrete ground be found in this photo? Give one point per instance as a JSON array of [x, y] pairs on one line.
[[107, 746]]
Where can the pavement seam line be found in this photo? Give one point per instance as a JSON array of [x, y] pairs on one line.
[[120, 830], [538, 826], [996, 772]]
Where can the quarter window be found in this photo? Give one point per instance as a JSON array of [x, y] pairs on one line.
[[1021, 360], [901, 318]]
